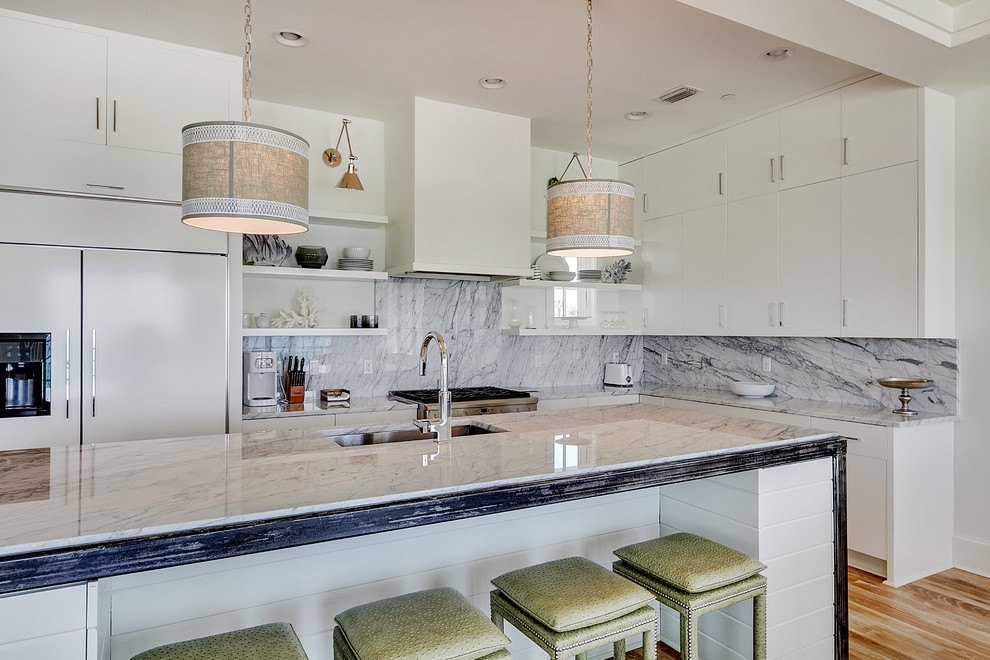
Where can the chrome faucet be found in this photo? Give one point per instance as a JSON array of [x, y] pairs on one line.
[[442, 426]]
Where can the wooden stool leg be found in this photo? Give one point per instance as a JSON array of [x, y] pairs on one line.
[[760, 627], [650, 645], [691, 626], [619, 650]]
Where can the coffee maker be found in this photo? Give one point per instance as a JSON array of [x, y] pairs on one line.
[[260, 378]]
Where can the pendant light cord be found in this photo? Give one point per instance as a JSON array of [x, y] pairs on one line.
[[247, 63], [590, 62]]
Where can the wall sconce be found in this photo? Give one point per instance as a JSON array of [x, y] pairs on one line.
[[333, 158]]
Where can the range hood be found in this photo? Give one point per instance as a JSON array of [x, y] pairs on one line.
[[458, 192]]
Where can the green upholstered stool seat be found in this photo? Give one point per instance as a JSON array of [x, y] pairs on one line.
[[272, 641], [439, 624], [570, 606], [695, 576]]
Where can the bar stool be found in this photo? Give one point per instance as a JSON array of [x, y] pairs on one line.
[[272, 641], [439, 624], [695, 576], [571, 606]]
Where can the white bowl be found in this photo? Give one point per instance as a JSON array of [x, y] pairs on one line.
[[561, 275], [752, 390], [356, 252]]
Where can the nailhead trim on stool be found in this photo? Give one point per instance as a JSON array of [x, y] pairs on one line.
[[695, 576], [439, 624], [272, 641], [570, 606]]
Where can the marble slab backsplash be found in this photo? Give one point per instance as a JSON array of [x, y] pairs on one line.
[[836, 370], [468, 316]]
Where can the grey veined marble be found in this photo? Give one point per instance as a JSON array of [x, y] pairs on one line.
[[468, 315], [835, 370]]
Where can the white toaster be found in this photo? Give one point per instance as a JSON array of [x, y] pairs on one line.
[[618, 374]]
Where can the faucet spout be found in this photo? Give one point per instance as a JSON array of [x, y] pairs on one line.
[[442, 426]]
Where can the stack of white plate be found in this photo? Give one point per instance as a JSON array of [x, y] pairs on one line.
[[537, 272], [589, 275], [355, 264]]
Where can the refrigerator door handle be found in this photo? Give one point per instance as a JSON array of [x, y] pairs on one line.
[[68, 370], [94, 372]]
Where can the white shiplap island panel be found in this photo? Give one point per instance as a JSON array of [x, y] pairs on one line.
[[196, 535]]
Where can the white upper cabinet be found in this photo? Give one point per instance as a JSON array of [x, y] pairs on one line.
[[458, 195], [880, 253], [752, 266], [662, 183], [879, 124], [753, 157], [662, 276], [808, 260], [54, 81], [687, 177], [704, 271], [154, 89], [810, 135]]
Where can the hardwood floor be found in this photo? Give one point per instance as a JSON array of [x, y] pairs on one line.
[[942, 617]]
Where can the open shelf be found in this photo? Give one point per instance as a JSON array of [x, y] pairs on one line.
[[545, 332], [314, 273], [340, 218], [548, 284], [311, 332]]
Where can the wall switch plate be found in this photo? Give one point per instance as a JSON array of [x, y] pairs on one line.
[[367, 366], [766, 363], [664, 359], [541, 361]]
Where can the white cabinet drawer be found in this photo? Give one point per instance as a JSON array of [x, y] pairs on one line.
[[41, 613]]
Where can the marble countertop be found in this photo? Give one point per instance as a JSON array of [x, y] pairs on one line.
[[106, 493], [317, 407], [846, 412]]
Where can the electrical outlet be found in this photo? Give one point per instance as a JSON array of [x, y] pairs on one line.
[[324, 368], [665, 359], [766, 363], [367, 366], [541, 361]]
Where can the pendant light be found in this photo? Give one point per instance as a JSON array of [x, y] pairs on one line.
[[589, 217], [245, 178]]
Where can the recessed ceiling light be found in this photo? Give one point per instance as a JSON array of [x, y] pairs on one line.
[[290, 38], [637, 115], [492, 82], [728, 97], [777, 54]]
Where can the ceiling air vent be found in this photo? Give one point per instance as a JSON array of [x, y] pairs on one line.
[[677, 94]]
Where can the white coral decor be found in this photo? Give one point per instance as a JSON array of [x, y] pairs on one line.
[[308, 315]]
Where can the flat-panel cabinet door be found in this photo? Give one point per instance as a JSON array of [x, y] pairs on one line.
[[811, 141], [808, 260], [662, 281], [880, 253], [879, 124], [704, 262], [703, 181], [41, 294], [866, 481], [154, 330], [663, 181], [752, 157], [752, 266], [54, 81], [154, 90]]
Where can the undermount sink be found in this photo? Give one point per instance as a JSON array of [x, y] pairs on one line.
[[359, 439]]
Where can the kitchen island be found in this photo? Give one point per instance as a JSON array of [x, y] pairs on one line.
[[89, 514]]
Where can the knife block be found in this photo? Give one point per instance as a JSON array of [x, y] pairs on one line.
[[295, 393]]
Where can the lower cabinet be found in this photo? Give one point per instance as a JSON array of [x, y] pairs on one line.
[[46, 623], [898, 490]]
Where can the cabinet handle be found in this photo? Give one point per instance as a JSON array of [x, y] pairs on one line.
[[845, 151], [94, 372], [721, 316], [100, 186], [781, 167], [115, 115], [646, 204], [771, 315], [68, 370], [845, 312], [97, 113], [772, 179], [721, 186], [780, 316], [646, 317]]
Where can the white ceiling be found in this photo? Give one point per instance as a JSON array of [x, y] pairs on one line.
[[365, 57]]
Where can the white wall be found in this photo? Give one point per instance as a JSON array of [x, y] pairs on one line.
[[972, 450]]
